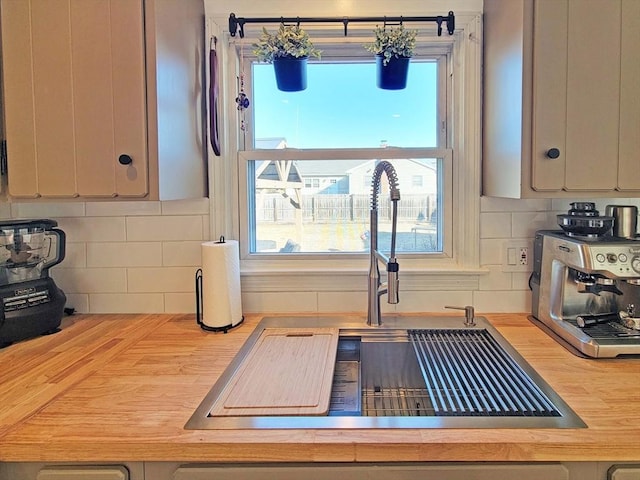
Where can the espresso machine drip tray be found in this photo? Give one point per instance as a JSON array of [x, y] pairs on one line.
[[610, 330]]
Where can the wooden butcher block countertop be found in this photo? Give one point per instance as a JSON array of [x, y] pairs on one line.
[[121, 388]]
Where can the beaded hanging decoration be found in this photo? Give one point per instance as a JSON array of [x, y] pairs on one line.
[[242, 100]]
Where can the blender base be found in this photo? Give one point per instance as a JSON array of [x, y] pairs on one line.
[[21, 321]]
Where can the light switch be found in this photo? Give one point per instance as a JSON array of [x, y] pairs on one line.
[[515, 255]]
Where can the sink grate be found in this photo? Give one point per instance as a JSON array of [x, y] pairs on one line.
[[469, 374], [397, 401]]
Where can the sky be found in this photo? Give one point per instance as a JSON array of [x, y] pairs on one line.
[[343, 108]]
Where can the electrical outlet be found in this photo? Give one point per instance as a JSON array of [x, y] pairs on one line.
[[523, 257], [516, 255]]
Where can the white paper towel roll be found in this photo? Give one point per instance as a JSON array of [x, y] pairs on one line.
[[221, 296]]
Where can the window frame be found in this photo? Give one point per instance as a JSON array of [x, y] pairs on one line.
[[442, 57], [464, 70], [244, 172]]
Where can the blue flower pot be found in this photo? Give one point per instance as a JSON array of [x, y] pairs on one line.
[[393, 75], [291, 73]]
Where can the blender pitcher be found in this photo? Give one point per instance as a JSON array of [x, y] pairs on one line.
[[28, 248]]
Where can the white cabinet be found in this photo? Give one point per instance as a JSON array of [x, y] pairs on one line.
[[104, 99], [561, 98]]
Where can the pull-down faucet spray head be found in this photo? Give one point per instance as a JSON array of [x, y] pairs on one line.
[[391, 287]]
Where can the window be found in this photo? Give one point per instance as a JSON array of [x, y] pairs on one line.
[[343, 132], [306, 157]]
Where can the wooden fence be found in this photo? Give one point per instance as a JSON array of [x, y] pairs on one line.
[[323, 208]]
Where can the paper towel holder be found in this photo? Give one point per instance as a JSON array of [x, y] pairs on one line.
[[199, 304]]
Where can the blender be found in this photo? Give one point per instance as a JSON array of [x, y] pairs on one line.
[[31, 303]]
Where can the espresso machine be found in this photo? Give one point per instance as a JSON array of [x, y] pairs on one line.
[[32, 304], [586, 286]]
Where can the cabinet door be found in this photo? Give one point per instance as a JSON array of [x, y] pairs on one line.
[[37, 92], [576, 95], [108, 90], [593, 95], [629, 162], [549, 94], [75, 97]]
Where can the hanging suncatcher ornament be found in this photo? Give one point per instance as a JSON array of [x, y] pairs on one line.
[[242, 101]]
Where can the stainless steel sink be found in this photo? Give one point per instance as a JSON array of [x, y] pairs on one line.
[[413, 372]]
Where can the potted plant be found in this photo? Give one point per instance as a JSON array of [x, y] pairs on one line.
[[393, 47], [288, 49]]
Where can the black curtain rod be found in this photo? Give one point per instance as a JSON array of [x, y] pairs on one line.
[[239, 22]]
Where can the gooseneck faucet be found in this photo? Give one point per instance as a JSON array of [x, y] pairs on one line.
[[376, 288]]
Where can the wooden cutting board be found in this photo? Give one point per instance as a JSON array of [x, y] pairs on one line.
[[288, 371]]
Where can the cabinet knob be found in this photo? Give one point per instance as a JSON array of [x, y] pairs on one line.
[[125, 160], [553, 153]]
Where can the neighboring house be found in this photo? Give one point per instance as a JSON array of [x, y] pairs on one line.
[[415, 177], [326, 177], [342, 176]]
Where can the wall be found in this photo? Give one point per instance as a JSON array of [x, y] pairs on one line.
[[142, 256], [126, 257]]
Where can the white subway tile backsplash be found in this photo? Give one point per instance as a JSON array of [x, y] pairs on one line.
[[491, 251], [78, 301], [90, 280], [432, 301], [284, 302], [161, 279], [520, 280], [126, 257], [126, 303], [121, 209], [493, 204], [176, 254], [124, 254], [164, 228], [47, 210], [197, 206], [525, 224], [343, 301], [75, 255], [500, 302], [94, 229], [495, 225], [179, 303], [206, 228], [5, 211], [496, 279]]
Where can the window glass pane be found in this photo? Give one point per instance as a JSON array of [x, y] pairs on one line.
[[293, 215], [343, 108]]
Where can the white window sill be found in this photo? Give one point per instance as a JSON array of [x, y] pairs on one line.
[[335, 278]]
